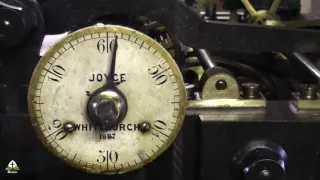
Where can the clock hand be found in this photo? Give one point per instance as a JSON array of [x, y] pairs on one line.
[[110, 99], [114, 47]]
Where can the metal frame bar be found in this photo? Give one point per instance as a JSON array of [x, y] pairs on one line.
[[186, 25]]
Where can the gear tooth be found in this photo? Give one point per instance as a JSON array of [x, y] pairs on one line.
[[159, 34], [161, 37]]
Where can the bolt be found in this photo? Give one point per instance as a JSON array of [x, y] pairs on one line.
[[250, 90], [308, 92], [68, 127], [144, 127], [221, 85], [265, 174]]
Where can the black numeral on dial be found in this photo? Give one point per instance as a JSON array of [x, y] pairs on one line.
[[159, 126], [104, 45], [59, 132], [57, 73], [108, 156], [157, 73]]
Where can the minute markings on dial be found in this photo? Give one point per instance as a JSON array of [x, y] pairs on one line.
[[72, 46], [140, 157], [141, 45], [107, 38], [38, 102], [99, 36], [159, 131], [165, 62]]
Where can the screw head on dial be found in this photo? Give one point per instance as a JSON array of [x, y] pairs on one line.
[[68, 127], [145, 127]]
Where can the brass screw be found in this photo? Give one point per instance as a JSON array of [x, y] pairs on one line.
[[144, 127], [221, 85], [68, 127]]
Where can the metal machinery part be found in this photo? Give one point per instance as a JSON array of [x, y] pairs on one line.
[[227, 104], [249, 110], [305, 101], [221, 99]]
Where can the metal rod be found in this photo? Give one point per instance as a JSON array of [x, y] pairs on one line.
[[249, 7], [274, 7], [223, 106], [305, 61], [205, 59]]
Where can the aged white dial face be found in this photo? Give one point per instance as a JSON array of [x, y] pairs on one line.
[[78, 65]]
